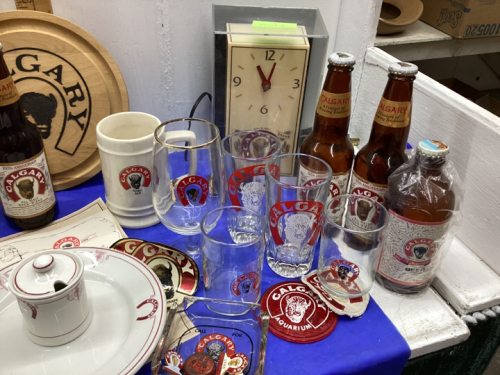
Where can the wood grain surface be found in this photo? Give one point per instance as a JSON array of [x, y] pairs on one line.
[[68, 82]]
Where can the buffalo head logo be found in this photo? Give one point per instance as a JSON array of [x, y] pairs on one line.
[[296, 307], [42, 109], [192, 194], [26, 188], [296, 228], [245, 286], [165, 276], [260, 146], [363, 209], [343, 272], [215, 349], [135, 181], [251, 195], [420, 251]]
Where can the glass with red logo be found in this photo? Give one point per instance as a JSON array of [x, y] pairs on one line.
[[187, 177], [350, 248], [295, 212], [233, 254], [245, 154]]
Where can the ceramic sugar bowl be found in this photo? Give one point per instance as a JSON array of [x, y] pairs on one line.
[[50, 291]]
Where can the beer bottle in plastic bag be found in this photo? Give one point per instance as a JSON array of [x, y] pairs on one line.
[[421, 202], [26, 191], [385, 150], [329, 138]]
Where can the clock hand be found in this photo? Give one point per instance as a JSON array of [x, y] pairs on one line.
[[266, 84], [271, 74]]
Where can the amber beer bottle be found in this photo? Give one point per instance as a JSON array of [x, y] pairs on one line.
[[385, 150], [421, 202], [26, 191], [329, 138]]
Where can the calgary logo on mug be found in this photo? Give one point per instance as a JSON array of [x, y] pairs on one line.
[[135, 177]]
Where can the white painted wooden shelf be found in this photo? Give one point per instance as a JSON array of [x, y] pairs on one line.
[[423, 42]]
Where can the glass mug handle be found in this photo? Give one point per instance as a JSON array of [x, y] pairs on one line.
[[185, 136]]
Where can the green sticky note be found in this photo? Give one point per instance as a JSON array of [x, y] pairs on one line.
[[275, 25]]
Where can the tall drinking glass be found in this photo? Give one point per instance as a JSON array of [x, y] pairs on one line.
[[349, 251], [295, 211], [187, 177], [233, 253], [245, 154]]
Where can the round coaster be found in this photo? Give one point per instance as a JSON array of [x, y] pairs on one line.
[[297, 313], [127, 245]]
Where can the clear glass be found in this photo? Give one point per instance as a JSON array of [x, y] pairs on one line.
[[295, 209], [248, 333], [346, 266], [233, 253], [245, 154], [187, 177]]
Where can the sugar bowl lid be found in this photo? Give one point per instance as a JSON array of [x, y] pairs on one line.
[[45, 274]]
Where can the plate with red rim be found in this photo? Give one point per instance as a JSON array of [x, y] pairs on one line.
[[129, 309]]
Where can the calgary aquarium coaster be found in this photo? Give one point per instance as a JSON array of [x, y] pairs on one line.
[[352, 307], [297, 313]]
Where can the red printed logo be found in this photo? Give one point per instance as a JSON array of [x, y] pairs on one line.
[[344, 270], [251, 192], [215, 345], [151, 301], [260, 142], [420, 250], [67, 242], [244, 283], [21, 184], [192, 189], [135, 177], [367, 194], [303, 224]]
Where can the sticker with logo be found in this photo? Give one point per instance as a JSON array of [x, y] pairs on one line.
[[173, 362], [297, 314], [252, 192], [410, 250], [67, 242], [216, 344], [126, 245], [301, 220], [333, 105], [255, 145], [344, 270], [245, 284], [24, 189], [135, 177], [192, 189], [393, 114], [177, 272], [232, 364], [343, 306]]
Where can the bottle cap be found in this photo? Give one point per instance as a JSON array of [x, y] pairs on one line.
[[403, 69], [341, 59], [433, 149]]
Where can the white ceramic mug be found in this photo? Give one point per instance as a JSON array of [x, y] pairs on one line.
[[125, 142], [50, 291]]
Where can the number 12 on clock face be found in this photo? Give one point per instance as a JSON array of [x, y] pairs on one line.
[[265, 87]]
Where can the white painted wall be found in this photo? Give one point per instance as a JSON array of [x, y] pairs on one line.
[[163, 47], [473, 134]]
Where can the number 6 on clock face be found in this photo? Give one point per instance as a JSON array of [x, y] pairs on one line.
[[265, 84]]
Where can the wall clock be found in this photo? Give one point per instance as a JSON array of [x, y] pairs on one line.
[[265, 81]]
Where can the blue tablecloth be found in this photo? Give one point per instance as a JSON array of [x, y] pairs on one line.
[[366, 345]]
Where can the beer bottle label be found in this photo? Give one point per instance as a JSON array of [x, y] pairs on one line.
[[338, 186], [25, 188], [334, 105], [411, 250], [363, 214], [8, 91], [393, 114]]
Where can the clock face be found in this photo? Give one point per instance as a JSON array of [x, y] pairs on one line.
[[265, 90]]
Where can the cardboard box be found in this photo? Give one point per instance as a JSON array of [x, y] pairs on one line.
[[464, 18]]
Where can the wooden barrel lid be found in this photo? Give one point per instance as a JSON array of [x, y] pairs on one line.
[[68, 82]]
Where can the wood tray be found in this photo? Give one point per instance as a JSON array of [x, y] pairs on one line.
[[68, 82]]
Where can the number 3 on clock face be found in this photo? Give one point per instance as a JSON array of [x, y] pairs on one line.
[[265, 89]]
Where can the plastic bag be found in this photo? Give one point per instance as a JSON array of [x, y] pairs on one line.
[[424, 200]]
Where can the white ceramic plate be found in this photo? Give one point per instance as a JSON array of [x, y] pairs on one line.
[[129, 315]]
